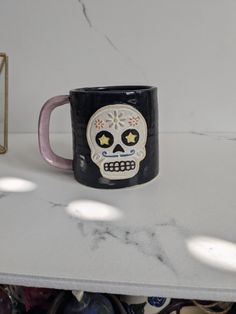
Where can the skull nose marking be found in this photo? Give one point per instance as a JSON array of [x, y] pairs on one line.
[[118, 148]]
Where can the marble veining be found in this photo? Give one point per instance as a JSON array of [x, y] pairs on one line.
[[56, 204], [198, 133], [2, 195], [108, 39], [89, 21], [143, 238], [215, 136], [85, 13]]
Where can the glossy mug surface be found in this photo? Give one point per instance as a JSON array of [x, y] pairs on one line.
[[115, 135]]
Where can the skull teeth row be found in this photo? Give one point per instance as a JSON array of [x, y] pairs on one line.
[[119, 166]]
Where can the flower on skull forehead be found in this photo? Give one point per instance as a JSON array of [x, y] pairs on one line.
[[133, 121], [99, 124], [115, 120]]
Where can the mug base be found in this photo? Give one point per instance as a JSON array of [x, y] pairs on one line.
[[103, 183]]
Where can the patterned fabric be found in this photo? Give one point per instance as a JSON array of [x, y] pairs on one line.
[[156, 301]]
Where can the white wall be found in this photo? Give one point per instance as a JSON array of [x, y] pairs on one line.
[[186, 47]]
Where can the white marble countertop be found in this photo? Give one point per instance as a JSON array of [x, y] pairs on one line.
[[174, 236]]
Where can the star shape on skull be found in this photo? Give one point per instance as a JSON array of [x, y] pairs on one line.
[[131, 137], [104, 140]]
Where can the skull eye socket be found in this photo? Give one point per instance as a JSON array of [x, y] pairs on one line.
[[130, 137], [104, 139]]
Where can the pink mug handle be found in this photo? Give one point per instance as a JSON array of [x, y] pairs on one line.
[[43, 133]]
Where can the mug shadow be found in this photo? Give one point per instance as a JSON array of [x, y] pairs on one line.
[[33, 161]]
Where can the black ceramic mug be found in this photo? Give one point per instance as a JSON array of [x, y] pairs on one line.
[[115, 135]]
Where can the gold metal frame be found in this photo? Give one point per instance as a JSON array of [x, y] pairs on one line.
[[4, 145]]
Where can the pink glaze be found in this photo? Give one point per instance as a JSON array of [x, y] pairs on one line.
[[43, 133]]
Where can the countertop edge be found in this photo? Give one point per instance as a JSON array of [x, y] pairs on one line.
[[227, 295]]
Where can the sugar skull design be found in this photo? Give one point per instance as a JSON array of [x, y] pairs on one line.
[[117, 136]]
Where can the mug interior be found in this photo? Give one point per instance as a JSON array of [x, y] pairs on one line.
[[114, 89]]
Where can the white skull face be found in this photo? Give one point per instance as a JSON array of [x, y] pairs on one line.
[[117, 136]]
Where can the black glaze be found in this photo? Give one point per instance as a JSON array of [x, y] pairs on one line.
[[84, 103]]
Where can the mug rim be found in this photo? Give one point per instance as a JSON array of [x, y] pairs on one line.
[[114, 89]]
